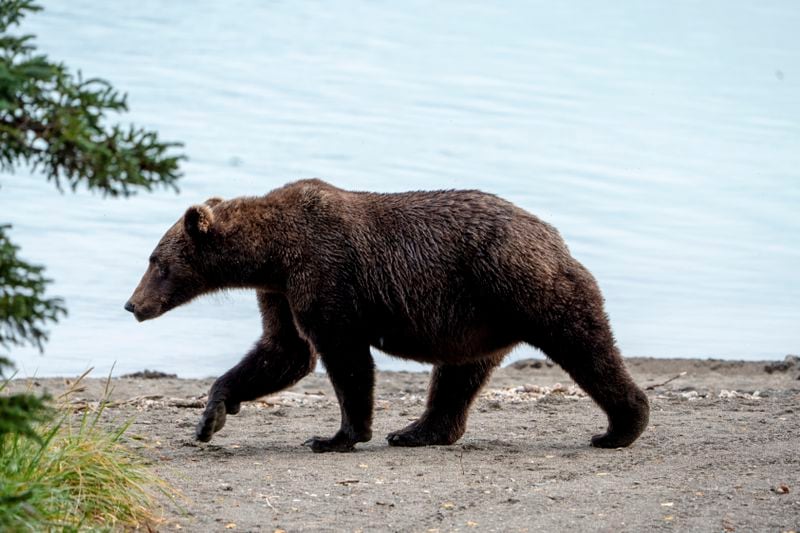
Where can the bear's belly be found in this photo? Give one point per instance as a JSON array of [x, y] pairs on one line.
[[473, 346]]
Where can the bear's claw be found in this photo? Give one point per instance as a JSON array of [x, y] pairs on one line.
[[341, 442], [625, 423], [611, 440], [419, 435], [213, 420], [319, 445]]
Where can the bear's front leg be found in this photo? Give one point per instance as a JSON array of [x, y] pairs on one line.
[[277, 361], [352, 374], [264, 370]]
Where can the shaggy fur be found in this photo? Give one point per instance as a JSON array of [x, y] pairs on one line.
[[452, 278]]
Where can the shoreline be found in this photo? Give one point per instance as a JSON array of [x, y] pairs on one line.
[[722, 441], [424, 368]]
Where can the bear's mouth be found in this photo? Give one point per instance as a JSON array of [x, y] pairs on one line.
[[146, 314], [143, 312]]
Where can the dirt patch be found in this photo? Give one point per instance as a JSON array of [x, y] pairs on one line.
[[720, 454]]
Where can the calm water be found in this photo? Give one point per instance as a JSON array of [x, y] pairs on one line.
[[663, 139]]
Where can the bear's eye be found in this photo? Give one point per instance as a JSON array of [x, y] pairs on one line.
[[161, 268]]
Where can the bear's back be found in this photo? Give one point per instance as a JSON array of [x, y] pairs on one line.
[[424, 233]]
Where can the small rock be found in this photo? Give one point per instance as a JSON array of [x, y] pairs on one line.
[[690, 395], [149, 374], [730, 394], [526, 363], [782, 489], [789, 362]]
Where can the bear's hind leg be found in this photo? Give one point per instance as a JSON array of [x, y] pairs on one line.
[[451, 392], [277, 361], [582, 344]]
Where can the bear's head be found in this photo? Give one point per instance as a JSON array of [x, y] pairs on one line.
[[180, 267]]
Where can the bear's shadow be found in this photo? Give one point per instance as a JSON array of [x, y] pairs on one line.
[[477, 447]]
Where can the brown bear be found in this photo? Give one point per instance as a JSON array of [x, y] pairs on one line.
[[452, 278]]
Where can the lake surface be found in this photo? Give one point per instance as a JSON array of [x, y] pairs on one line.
[[662, 139]]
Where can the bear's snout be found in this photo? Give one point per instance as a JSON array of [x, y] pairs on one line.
[[142, 310]]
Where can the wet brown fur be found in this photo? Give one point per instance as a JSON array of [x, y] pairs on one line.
[[452, 278]]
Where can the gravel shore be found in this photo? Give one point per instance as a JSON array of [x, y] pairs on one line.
[[722, 453]]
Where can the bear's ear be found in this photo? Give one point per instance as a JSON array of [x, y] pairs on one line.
[[198, 220], [214, 200]]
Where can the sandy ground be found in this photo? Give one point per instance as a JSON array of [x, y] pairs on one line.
[[722, 453]]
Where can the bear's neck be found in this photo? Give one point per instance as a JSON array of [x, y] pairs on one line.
[[257, 251]]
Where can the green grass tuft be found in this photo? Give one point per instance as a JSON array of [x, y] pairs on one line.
[[75, 474]]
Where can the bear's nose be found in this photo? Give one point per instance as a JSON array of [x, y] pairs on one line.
[[129, 306]]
